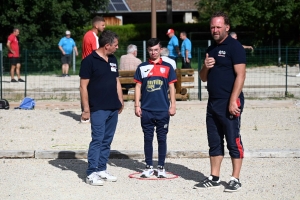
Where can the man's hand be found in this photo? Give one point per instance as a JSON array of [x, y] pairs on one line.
[[172, 111], [121, 109], [235, 107], [209, 62], [138, 111], [85, 116]]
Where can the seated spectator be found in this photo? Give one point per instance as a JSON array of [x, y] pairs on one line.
[[130, 61], [164, 53]]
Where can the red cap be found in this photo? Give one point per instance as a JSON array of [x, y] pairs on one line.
[[170, 31]]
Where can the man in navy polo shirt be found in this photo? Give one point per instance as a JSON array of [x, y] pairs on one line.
[[224, 70], [102, 101], [154, 79]]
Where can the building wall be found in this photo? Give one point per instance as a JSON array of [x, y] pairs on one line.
[[177, 5]]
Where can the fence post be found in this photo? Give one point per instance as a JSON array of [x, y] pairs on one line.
[[199, 80], [144, 50], [279, 53], [25, 93], [74, 62], [286, 61], [1, 66]]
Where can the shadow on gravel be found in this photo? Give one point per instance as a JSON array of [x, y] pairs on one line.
[[71, 114], [72, 164], [138, 166]]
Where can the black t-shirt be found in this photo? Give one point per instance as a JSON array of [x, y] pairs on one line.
[[102, 87], [221, 77]]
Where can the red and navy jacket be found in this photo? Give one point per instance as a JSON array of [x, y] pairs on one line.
[[155, 79]]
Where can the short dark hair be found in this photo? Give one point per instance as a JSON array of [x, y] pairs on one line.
[[107, 37], [15, 29], [183, 32], [221, 14], [98, 19], [152, 42]]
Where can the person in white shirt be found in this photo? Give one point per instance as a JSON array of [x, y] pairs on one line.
[[164, 53]]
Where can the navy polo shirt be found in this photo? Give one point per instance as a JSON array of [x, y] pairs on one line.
[[102, 87], [221, 77]]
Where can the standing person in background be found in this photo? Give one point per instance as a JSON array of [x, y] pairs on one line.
[[186, 51], [164, 53], [66, 46], [130, 60], [173, 45], [90, 39], [14, 55], [234, 36], [224, 70], [154, 79], [102, 102]]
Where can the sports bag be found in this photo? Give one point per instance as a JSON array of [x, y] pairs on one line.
[[4, 104], [27, 104]]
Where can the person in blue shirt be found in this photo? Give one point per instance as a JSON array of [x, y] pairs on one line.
[[66, 46], [154, 82], [186, 51], [173, 45], [224, 69]]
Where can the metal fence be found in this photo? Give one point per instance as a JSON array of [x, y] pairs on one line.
[[271, 73]]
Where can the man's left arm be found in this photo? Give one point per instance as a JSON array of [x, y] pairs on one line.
[[240, 70], [120, 94], [172, 110]]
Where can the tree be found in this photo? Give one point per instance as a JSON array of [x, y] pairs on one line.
[[42, 23], [269, 20]]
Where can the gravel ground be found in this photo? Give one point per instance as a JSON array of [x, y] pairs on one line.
[[31, 179], [55, 126], [265, 125]]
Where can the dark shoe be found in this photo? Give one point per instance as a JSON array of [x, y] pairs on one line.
[[233, 185], [208, 183], [13, 80], [21, 80], [67, 75]]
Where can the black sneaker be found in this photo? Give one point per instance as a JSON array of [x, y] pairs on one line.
[[67, 75], [233, 185], [13, 80], [21, 80], [208, 183]]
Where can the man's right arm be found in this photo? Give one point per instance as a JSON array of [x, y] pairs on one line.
[[137, 97], [84, 98], [61, 49], [9, 47], [208, 63]]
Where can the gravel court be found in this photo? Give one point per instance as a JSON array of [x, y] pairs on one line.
[[64, 179], [265, 125]]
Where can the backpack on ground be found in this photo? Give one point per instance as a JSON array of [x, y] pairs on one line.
[[4, 104], [27, 104]]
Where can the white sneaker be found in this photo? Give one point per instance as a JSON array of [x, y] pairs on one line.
[[161, 172], [94, 179], [149, 171], [298, 75], [107, 176]]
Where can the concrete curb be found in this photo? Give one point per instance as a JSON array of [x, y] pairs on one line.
[[82, 154]]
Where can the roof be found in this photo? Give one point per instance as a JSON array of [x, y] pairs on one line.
[[125, 6]]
